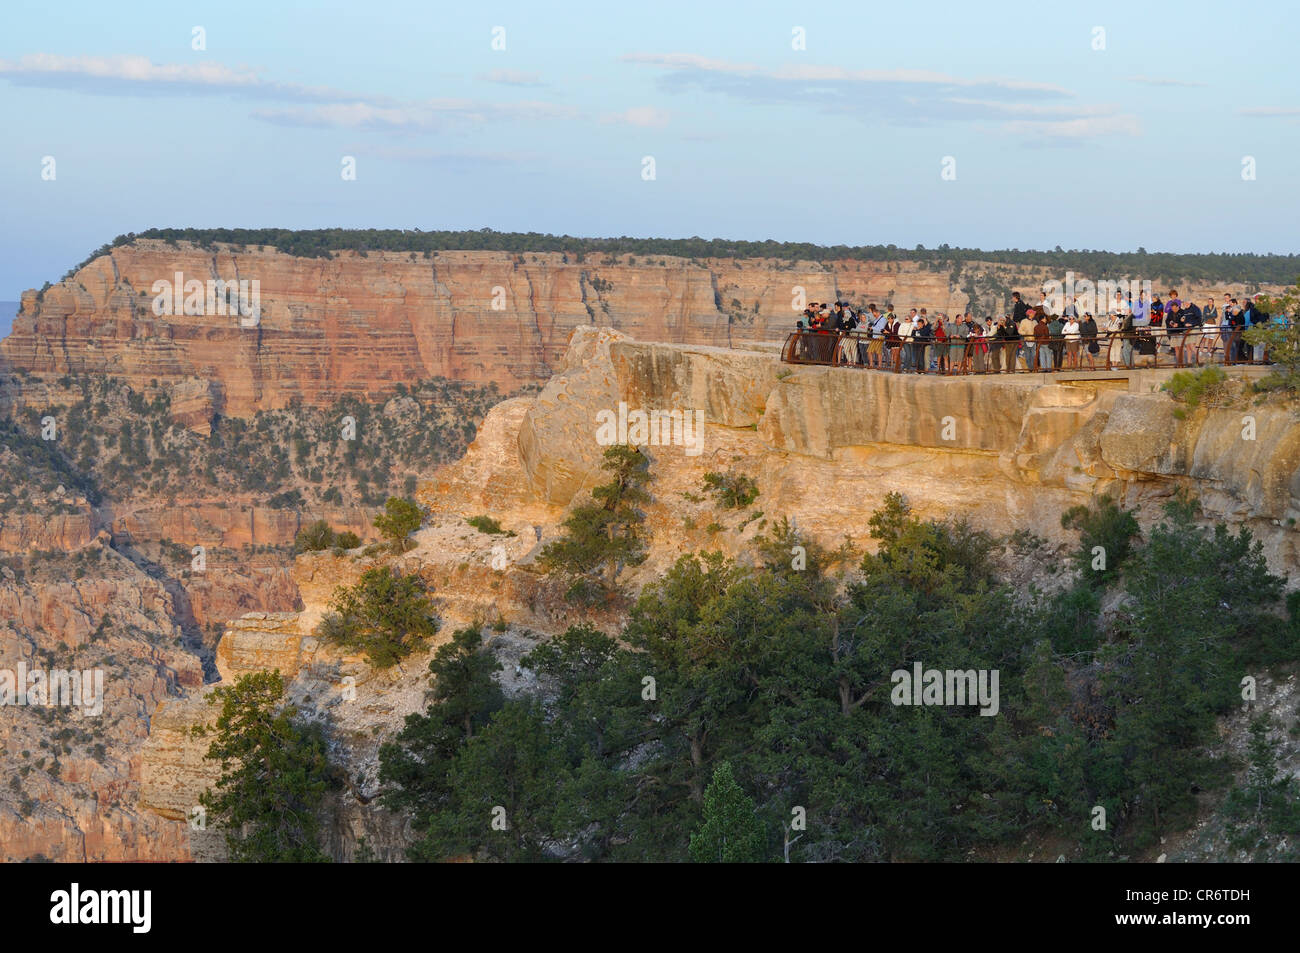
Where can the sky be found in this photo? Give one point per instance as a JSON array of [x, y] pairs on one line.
[[1171, 126]]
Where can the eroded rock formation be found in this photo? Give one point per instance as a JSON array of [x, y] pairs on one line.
[[824, 445], [362, 323]]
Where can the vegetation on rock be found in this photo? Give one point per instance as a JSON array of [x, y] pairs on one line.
[[386, 616], [275, 772]]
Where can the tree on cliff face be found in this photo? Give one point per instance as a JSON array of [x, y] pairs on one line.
[[1106, 532], [463, 688], [385, 615], [1198, 598], [603, 537], [274, 773], [732, 832], [398, 521], [415, 767]]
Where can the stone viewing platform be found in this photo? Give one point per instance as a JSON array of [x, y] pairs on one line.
[[825, 442]]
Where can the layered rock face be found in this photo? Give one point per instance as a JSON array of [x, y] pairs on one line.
[[74, 769], [361, 324], [825, 445]]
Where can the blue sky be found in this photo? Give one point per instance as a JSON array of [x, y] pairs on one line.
[[1054, 141]]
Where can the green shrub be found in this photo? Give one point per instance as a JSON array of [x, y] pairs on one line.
[[731, 490], [314, 537], [1106, 533], [1192, 387], [385, 615], [398, 521], [486, 524]]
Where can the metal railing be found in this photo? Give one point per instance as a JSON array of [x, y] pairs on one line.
[[1155, 347]]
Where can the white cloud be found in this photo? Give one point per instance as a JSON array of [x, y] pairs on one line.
[[1055, 110], [441, 157], [1162, 81], [903, 96], [689, 61], [1089, 127], [320, 106], [510, 77], [815, 72], [644, 116], [412, 117], [139, 74]]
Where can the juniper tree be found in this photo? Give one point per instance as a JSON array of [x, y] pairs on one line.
[[398, 521], [603, 537], [385, 615], [274, 773]]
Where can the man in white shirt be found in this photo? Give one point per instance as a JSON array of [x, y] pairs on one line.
[[1071, 334]]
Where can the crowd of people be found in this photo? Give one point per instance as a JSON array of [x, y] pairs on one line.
[[1033, 337]]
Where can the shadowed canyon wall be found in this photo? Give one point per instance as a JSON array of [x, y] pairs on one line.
[[362, 323]]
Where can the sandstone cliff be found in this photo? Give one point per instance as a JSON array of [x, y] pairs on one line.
[[361, 324], [823, 444]]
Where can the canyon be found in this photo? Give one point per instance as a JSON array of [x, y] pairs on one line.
[[1022, 452], [360, 323], [88, 579]]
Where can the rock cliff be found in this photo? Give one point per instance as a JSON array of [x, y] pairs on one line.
[[824, 446], [359, 324]]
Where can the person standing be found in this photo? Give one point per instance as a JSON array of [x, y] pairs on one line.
[[958, 336], [1173, 333], [975, 344], [1225, 326], [905, 339], [921, 336], [1010, 343], [997, 339], [941, 343], [1190, 318], [1018, 308], [1028, 348], [1055, 328], [1238, 330], [1088, 337], [1256, 318], [1209, 342], [1114, 344], [1126, 332], [1141, 310], [1042, 342], [875, 346], [893, 342], [848, 340], [1070, 331]]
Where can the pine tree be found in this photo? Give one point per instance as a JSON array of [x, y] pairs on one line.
[[274, 773], [732, 833], [385, 615], [398, 521], [603, 536], [1261, 779]]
